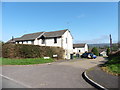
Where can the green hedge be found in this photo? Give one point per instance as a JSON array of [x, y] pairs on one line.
[[115, 54], [30, 51], [0, 49], [95, 51]]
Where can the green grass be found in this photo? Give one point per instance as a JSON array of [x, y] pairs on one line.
[[114, 65], [115, 68], [28, 61]]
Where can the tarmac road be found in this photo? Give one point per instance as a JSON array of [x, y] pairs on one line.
[[57, 75]]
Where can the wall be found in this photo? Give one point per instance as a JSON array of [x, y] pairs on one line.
[[61, 42], [86, 47], [82, 50], [67, 46]]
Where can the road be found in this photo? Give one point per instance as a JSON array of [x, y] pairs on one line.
[[67, 74]]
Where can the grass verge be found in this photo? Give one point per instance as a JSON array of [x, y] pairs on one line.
[[27, 61], [112, 66]]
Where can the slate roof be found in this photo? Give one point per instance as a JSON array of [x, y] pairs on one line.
[[54, 33], [33, 36], [79, 45], [12, 40]]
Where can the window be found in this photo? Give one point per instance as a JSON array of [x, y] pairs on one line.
[[66, 40], [43, 40], [55, 40]]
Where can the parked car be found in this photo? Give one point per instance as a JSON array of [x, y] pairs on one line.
[[88, 55]]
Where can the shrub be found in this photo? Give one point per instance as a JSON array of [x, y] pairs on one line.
[[113, 62], [95, 51], [108, 51], [115, 54], [30, 51]]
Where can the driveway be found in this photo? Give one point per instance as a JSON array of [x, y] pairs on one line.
[[67, 74]]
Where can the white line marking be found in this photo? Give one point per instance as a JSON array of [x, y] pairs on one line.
[[15, 81], [94, 81]]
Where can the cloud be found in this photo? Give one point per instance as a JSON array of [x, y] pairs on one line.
[[102, 39], [81, 16]]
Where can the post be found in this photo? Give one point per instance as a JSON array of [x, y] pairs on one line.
[[110, 43], [12, 38]]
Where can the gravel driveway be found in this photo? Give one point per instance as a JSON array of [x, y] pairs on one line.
[[65, 74]]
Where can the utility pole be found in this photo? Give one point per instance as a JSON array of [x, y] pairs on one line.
[[110, 43], [12, 38]]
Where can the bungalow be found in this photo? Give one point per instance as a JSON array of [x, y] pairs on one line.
[[61, 38], [80, 48]]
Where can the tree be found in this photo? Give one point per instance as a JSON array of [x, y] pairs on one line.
[[95, 51], [1, 42], [108, 51]]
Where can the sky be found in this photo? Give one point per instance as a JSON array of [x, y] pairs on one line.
[[88, 22]]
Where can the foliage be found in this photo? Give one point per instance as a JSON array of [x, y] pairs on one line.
[[113, 62], [115, 47], [1, 43], [30, 51], [95, 51], [108, 51], [8, 61]]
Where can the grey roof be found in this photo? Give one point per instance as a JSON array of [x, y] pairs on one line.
[[33, 36], [54, 33], [81, 45], [12, 40]]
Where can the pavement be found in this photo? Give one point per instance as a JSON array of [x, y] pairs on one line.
[[107, 81], [65, 74]]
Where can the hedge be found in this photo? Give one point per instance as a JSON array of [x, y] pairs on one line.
[[115, 54], [30, 51], [95, 51], [0, 49]]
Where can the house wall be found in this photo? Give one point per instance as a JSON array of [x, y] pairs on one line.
[[82, 50], [24, 42], [67, 45], [103, 53], [76, 50], [86, 47], [61, 42], [48, 42]]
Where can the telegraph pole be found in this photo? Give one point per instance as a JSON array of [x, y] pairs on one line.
[[110, 43], [12, 38]]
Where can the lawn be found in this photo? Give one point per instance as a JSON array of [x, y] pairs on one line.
[[113, 65], [27, 61]]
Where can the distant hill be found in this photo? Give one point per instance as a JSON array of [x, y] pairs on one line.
[[103, 46], [99, 45]]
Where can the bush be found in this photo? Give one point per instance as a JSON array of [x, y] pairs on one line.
[[115, 54], [113, 62], [95, 51], [108, 51], [30, 51]]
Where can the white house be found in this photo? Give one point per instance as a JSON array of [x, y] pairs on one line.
[[61, 38], [80, 48], [103, 53]]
